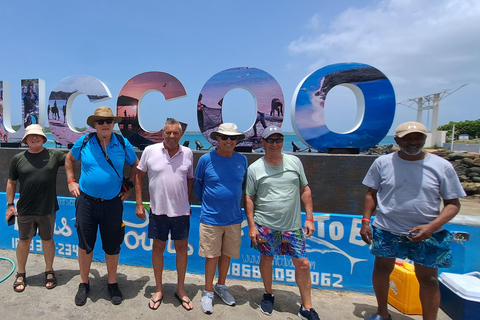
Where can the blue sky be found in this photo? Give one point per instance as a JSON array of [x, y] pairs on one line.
[[422, 46]]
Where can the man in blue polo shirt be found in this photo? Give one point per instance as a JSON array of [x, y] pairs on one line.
[[99, 196]]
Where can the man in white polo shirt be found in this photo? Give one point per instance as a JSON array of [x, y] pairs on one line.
[[170, 179]]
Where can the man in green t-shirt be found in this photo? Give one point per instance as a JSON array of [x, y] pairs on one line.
[[36, 171], [276, 186]]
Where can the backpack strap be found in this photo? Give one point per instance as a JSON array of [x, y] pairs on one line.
[[85, 140], [90, 135]]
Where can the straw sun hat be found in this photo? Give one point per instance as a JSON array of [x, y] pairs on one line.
[[102, 113]]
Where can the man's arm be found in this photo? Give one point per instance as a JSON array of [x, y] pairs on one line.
[[198, 180], [249, 209], [133, 176], [190, 188], [72, 184], [369, 209], [306, 198], [140, 210], [450, 209], [10, 191]]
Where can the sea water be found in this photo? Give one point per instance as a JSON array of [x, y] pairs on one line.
[[192, 137]]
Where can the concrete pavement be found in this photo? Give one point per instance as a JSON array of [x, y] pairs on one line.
[[138, 284]]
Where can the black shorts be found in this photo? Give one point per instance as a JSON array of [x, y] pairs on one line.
[[160, 226], [107, 215]]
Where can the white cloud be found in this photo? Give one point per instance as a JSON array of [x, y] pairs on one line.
[[423, 46]]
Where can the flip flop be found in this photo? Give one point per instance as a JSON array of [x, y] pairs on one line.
[[159, 301], [52, 280], [184, 302], [17, 283]]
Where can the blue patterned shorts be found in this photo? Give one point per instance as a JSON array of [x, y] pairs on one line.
[[278, 243], [433, 253]]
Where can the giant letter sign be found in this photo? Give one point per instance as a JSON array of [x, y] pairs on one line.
[[59, 110], [375, 106], [373, 91], [130, 98], [33, 108], [266, 91], [4, 113]]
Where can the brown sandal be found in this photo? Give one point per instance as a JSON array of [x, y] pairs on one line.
[[17, 283], [52, 280]]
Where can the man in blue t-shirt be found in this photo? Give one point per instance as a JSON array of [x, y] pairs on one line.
[[219, 179], [99, 196]]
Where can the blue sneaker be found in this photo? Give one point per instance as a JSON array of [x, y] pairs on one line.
[[308, 314], [267, 304]]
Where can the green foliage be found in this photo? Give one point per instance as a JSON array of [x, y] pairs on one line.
[[470, 127]]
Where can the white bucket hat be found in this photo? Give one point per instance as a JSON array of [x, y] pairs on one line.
[[227, 129], [34, 129]]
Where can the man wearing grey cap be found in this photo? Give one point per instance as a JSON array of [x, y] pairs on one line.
[[406, 189], [276, 186]]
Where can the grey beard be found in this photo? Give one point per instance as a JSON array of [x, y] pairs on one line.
[[411, 151]]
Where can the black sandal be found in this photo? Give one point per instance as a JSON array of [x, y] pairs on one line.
[[52, 280], [17, 283]]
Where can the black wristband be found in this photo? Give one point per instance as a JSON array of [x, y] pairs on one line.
[[10, 204]]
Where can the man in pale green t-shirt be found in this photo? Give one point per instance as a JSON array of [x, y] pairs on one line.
[[276, 186]]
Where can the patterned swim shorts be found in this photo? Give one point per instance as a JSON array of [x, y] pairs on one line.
[[433, 253], [276, 243]]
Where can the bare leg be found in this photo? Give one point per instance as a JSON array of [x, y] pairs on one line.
[[181, 247], [210, 268], [302, 278], [112, 264], [266, 272], [48, 256], [157, 263], [382, 269], [223, 266], [22, 251], [84, 262], [429, 291]]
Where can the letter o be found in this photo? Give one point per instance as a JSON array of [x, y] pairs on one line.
[[268, 95], [375, 106]]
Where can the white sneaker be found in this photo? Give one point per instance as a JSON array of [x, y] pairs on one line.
[[207, 302], [223, 293]]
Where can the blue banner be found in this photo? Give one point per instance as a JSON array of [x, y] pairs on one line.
[[339, 259]]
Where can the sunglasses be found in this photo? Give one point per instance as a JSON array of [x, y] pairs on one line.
[[108, 121], [223, 137], [271, 140]]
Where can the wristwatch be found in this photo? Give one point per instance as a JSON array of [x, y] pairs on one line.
[[10, 204]]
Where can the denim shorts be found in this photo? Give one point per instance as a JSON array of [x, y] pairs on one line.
[[433, 252], [160, 226], [278, 243]]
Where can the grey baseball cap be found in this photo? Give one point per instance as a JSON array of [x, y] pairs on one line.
[[271, 130]]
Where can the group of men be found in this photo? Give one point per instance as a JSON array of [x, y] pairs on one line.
[[405, 188]]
